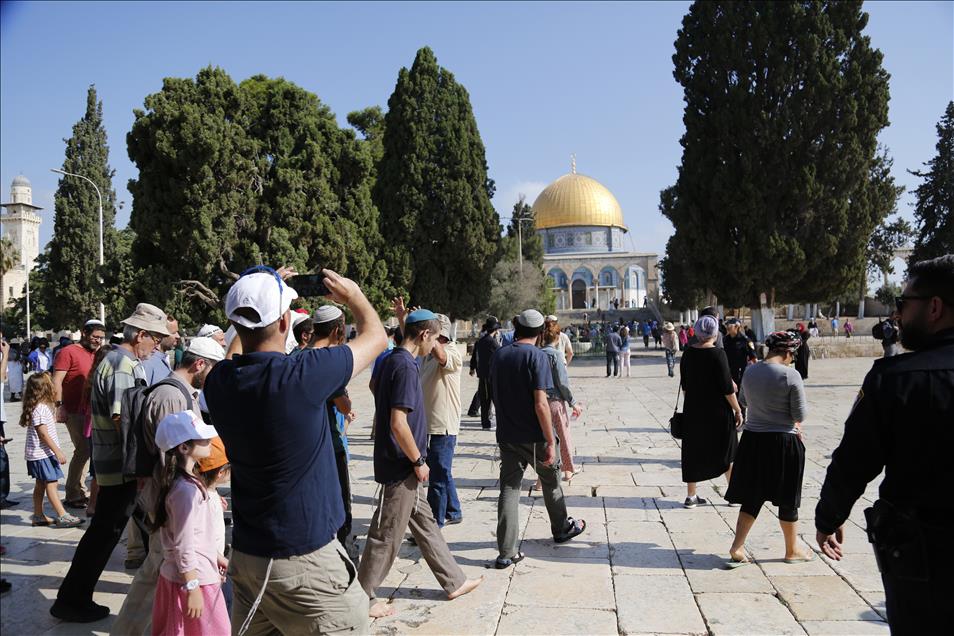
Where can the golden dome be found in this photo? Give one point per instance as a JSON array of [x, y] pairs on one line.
[[575, 199]]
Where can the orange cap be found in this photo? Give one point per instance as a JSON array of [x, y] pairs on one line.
[[216, 458]]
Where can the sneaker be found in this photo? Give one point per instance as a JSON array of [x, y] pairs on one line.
[[453, 521], [72, 614], [692, 502]]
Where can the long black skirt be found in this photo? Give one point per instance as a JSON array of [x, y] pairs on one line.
[[768, 467], [709, 441]]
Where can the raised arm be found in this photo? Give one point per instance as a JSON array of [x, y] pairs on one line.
[[371, 339]]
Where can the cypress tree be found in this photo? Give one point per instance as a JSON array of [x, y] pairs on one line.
[[784, 102], [74, 292], [934, 207], [236, 175], [440, 229]]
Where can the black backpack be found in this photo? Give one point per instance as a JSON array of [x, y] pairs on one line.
[[137, 460]]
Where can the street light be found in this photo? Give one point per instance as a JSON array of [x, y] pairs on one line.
[[519, 220], [102, 308]]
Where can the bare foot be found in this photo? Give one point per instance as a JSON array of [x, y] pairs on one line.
[[738, 555], [799, 557], [380, 610], [469, 586]]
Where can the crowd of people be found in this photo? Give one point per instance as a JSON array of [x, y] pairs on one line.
[[264, 407]]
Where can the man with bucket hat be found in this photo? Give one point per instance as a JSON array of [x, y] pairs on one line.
[[119, 371], [289, 572]]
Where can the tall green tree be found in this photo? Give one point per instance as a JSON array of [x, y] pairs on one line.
[[236, 175], [75, 292], [784, 102], [9, 255], [440, 229], [521, 226], [934, 207], [370, 123]]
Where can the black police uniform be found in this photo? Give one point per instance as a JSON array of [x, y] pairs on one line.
[[903, 422], [485, 349], [739, 350]]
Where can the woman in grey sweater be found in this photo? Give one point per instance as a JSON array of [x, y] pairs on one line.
[[770, 462]]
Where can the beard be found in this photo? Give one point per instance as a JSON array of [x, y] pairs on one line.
[[914, 332]]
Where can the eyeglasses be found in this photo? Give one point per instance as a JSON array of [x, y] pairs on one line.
[[155, 336], [900, 300]]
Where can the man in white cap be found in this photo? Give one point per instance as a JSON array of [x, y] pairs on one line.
[[520, 375], [71, 366], [179, 392], [119, 371], [440, 380], [290, 574], [212, 331]]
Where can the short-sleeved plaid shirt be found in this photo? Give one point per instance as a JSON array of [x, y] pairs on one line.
[[118, 371]]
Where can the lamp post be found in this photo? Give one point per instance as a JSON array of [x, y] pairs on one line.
[[102, 308], [520, 220]]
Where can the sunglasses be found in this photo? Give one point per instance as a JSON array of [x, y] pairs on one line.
[[900, 300]]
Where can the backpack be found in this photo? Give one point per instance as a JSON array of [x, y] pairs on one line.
[[137, 460], [877, 332]]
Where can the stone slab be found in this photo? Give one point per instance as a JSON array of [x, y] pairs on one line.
[[822, 598], [656, 604], [730, 614], [520, 620]]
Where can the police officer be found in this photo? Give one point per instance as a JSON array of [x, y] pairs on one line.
[[903, 422]]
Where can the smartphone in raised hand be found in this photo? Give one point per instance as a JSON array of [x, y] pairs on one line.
[[310, 285]]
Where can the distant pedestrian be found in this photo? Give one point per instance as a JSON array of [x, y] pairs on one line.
[[558, 398], [889, 337], [613, 344], [657, 335], [683, 337], [834, 326], [804, 353], [710, 409], [647, 332], [486, 347], [849, 328], [624, 350], [770, 463], [41, 359], [670, 343]]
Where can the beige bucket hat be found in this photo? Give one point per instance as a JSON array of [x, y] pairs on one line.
[[149, 318]]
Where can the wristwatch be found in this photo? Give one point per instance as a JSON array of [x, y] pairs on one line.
[[419, 462], [191, 585]]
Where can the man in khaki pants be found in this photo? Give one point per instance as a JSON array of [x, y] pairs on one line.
[[71, 367], [289, 572]]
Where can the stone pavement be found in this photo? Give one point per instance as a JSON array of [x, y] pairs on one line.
[[644, 565]]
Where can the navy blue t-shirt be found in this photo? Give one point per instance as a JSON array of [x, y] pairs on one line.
[[270, 411], [516, 370], [398, 386]]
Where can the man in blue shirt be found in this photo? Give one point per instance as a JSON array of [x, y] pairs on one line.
[[520, 375], [290, 574], [400, 449]]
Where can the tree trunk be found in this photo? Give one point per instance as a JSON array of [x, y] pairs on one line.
[[763, 317]]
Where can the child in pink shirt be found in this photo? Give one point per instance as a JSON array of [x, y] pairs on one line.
[[189, 598]]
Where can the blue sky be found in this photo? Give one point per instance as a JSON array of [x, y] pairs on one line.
[[545, 79]]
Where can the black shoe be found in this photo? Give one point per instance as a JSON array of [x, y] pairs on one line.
[[72, 614], [7, 503], [453, 521], [133, 564], [5, 586], [469, 414]]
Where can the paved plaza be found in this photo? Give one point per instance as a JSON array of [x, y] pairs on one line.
[[645, 565]]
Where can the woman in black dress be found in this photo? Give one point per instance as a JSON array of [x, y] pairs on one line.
[[804, 353], [711, 410]]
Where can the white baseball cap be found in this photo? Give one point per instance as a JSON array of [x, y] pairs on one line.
[[207, 330], [265, 293], [176, 428], [206, 348]]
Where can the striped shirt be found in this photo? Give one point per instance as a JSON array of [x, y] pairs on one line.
[[35, 448], [118, 371]]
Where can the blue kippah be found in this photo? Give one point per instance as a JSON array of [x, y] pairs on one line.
[[420, 315]]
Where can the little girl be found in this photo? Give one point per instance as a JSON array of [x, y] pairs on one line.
[[43, 455], [214, 471], [189, 596]]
